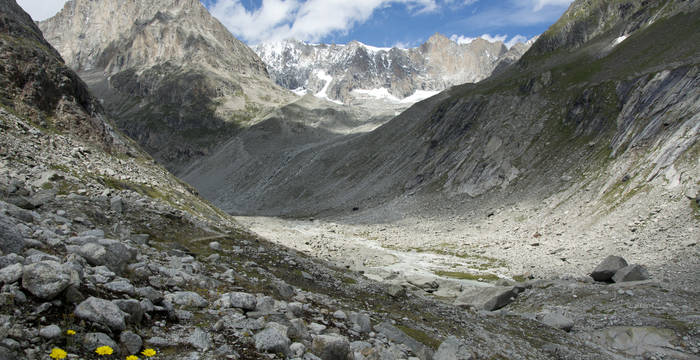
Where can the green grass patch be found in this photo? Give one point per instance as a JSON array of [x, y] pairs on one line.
[[467, 276], [420, 336]]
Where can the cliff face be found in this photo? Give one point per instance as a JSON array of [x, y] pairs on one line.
[[340, 72], [171, 75]]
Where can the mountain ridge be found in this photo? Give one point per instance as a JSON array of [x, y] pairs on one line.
[[337, 71]]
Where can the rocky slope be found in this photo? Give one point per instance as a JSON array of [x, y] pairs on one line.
[[171, 75], [344, 72]]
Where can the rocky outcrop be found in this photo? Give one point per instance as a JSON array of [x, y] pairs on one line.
[[170, 74], [38, 84], [344, 72]]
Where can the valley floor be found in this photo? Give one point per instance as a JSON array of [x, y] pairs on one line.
[[405, 243]]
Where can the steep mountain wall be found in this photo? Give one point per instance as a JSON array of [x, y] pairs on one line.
[[169, 73]]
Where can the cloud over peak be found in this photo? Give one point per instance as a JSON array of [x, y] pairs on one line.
[[309, 20]]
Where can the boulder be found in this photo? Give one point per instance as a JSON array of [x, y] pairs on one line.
[[45, 279], [631, 273], [243, 300], [103, 312], [132, 308], [452, 349], [131, 342], [487, 298], [11, 240], [607, 268], [11, 273], [361, 322], [107, 252], [92, 341], [200, 340], [116, 204], [187, 298], [50, 332], [557, 321], [272, 340], [331, 347]]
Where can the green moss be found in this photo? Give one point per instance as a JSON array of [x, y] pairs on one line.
[[519, 278], [349, 280], [467, 276], [420, 336], [695, 208]]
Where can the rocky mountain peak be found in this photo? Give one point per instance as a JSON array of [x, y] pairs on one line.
[[114, 36], [195, 83], [438, 39]]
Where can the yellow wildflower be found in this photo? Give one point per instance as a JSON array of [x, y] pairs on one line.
[[70, 332], [149, 352], [57, 353], [132, 357], [104, 350]]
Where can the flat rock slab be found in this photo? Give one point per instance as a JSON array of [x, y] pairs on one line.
[[487, 298], [102, 312], [637, 341]]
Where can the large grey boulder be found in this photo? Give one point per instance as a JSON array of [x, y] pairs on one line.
[[243, 300], [452, 349], [187, 298], [557, 321], [45, 279], [487, 298], [361, 322], [607, 268], [631, 273], [102, 312], [11, 240], [331, 347], [272, 340], [111, 253]]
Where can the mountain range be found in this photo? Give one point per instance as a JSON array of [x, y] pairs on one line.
[[337, 72]]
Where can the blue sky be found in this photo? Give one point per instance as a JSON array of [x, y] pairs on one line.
[[404, 23]]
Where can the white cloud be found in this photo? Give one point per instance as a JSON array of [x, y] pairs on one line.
[[461, 39], [310, 20], [41, 9], [539, 4]]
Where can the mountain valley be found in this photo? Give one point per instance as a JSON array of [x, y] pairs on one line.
[[451, 201]]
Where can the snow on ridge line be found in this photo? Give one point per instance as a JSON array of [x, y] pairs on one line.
[[383, 93], [619, 40], [323, 94]]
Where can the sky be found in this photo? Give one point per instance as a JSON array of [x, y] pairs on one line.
[[384, 23]]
